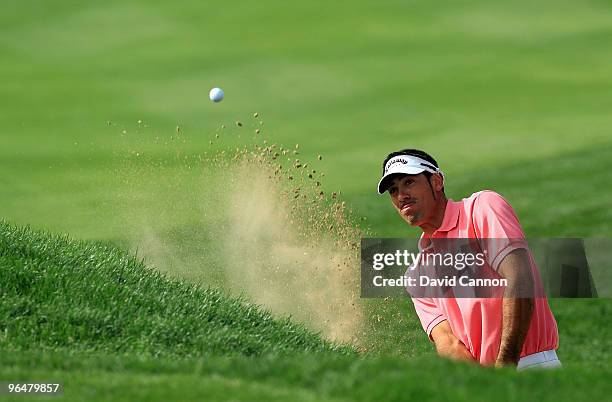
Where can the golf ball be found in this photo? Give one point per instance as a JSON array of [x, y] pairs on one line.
[[216, 94]]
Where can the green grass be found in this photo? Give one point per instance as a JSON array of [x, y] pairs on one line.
[[299, 377], [108, 327], [509, 96], [478, 84], [59, 293]]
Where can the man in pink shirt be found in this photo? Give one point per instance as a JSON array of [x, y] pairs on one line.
[[500, 331]]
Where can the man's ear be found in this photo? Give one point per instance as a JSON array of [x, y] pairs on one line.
[[437, 182]]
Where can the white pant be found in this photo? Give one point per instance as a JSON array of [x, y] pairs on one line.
[[545, 360]]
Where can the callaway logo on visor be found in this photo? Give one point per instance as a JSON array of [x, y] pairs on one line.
[[413, 161]]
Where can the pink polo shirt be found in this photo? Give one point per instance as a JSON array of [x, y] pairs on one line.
[[477, 322]]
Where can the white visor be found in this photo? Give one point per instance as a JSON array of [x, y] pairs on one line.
[[404, 164]]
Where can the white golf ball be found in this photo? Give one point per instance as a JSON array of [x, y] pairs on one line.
[[216, 94]]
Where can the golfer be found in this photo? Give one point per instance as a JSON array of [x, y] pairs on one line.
[[502, 331]]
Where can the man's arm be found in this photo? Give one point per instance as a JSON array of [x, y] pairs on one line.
[[448, 345], [516, 311]]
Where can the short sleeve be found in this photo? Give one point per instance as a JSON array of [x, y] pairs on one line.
[[429, 314], [497, 227]]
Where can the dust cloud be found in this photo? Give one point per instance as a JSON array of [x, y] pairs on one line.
[[286, 258], [254, 221]]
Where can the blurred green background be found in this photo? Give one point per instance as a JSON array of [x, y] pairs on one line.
[[513, 97]]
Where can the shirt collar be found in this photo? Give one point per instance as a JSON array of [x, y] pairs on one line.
[[451, 216], [449, 222]]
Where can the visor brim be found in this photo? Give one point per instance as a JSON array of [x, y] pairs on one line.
[[386, 181]]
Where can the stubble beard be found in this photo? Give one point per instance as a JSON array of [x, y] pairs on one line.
[[412, 219]]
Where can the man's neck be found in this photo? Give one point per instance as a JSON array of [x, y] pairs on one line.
[[437, 218]]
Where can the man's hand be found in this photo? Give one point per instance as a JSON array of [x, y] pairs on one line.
[[448, 345], [516, 311]]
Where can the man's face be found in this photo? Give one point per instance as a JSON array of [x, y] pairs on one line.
[[412, 197]]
